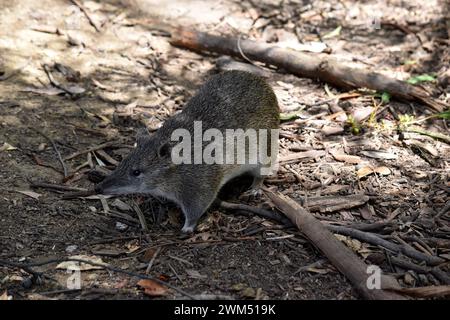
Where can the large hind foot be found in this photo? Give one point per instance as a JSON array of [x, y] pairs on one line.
[[254, 193], [188, 228]]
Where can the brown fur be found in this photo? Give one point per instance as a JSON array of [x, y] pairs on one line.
[[230, 100]]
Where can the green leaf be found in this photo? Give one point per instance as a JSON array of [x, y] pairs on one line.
[[409, 62], [333, 33], [385, 97], [421, 78], [444, 115], [288, 116]]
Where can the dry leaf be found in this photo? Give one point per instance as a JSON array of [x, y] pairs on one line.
[[346, 158], [119, 204], [248, 293], [73, 265], [133, 246], [152, 288], [382, 170], [318, 270], [29, 193], [50, 91], [331, 130], [361, 113], [5, 296], [7, 147], [364, 171], [366, 212], [148, 255], [204, 236], [74, 89], [195, 274]]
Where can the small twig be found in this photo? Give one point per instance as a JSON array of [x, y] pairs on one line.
[[176, 274], [258, 211], [47, 29], [94, 148], [107, 267], [103, 241], [55, 186], [316, 264], [54, 148], [238, 43], [78, 194], [88, 16], [52, 80], [140, 215], [120, 215], [47, 293], [370, 226], [152, 260], [181, 260]]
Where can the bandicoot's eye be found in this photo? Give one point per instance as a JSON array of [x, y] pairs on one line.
[[136, 172]]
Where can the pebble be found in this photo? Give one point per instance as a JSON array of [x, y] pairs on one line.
[[121, 226], [71, 248]]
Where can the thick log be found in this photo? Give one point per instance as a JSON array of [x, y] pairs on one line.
[[302, 64], [339, 255]]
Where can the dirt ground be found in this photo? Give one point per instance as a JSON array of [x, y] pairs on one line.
[[108, 83]]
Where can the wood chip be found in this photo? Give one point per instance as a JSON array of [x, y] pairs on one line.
[[335, 203], [379, 154], [311, 154], [346, 158]]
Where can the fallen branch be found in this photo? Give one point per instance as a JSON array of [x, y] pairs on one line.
[[340, 256], [425, 292], [438, 273], [258, 211], [302, 64], [396, 248], [246, 209]]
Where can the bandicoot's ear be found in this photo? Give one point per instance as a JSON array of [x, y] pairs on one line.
[[164, 150], [141, 136]]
